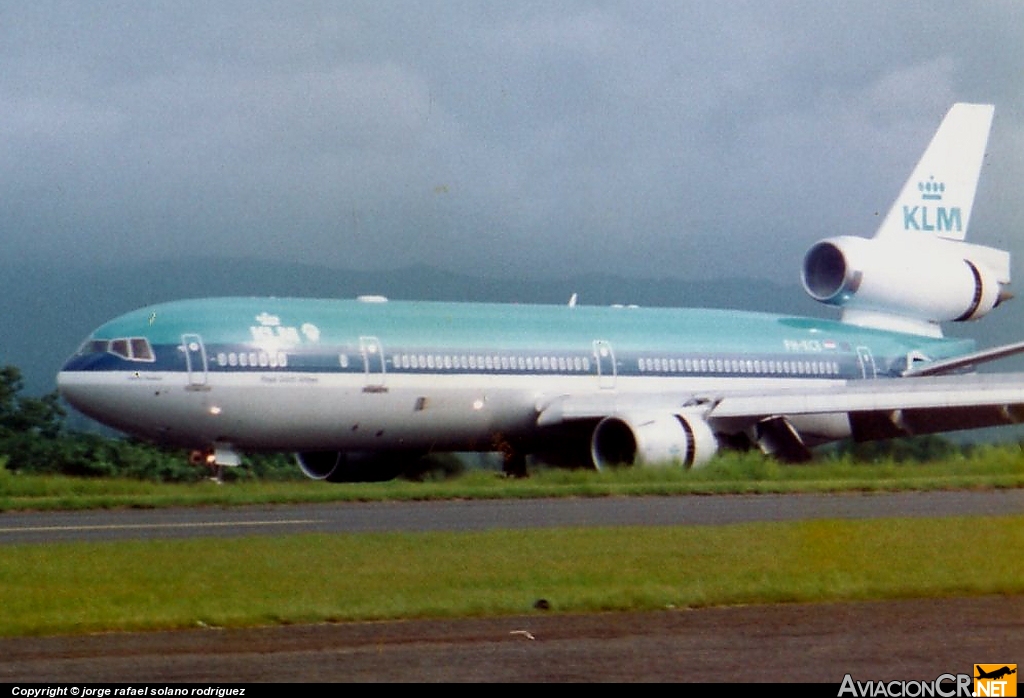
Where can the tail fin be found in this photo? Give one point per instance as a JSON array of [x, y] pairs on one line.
[[918, 271], [938, 197]]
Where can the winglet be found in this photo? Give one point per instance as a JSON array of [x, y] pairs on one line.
[[938, 197]]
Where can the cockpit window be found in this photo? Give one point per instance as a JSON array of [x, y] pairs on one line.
[[130, 348], [119, 347], [141, 351], [94, 346]]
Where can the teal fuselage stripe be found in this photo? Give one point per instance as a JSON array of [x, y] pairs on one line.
[[465, 338]]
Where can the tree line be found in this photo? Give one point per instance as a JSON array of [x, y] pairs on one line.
[[34, 438]]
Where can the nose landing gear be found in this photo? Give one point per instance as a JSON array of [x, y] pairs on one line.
[[215, 458]]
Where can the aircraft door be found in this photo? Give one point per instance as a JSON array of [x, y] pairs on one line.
[[604, 357], [373, 364], [867, 363], [195, 360]]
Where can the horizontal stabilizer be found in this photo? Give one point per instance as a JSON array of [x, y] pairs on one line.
[[936, 368]]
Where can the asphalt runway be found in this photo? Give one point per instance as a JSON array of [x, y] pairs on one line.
[[914, 639], [477, 515]]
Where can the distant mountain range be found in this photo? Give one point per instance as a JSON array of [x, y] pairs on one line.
[[48, 311]]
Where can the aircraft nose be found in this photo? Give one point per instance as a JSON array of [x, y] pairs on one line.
[[71, 387], [78, 379], [94, 395]]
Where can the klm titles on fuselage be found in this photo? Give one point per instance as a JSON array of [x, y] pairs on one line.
[[271, 329], [932, 219]]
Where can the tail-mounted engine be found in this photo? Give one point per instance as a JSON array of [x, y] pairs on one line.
[[918, 278]]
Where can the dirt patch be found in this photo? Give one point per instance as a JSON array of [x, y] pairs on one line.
[[909, 639]]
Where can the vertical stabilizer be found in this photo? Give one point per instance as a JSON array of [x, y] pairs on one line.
[[918, 271], [938, 197]]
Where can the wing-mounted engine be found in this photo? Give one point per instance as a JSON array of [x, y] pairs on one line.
[[339, 466], [322, 465], [910, 283], [652, 439]]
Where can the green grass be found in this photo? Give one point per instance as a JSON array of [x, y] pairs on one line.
[[137, 585], [87, 587], [985, 467]]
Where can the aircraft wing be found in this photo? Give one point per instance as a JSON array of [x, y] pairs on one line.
[[961, 392], [881, 408]]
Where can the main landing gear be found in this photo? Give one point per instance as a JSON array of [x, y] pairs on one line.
[[514, 463]]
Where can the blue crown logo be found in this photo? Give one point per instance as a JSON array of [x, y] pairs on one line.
[[931, 190]]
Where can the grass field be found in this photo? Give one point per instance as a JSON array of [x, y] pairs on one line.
[[88, 587], [985, 467]]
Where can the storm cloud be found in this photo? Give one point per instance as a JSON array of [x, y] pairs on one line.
[[653, 139]]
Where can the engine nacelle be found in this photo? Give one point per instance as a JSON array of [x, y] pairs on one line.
[[339, 466], [321, 465], [922, 278], [652, 439]]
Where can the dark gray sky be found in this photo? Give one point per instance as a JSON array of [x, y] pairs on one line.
[[684, 139]]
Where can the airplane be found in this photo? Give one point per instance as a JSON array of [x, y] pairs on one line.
[[332, 380], [995, 673]]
